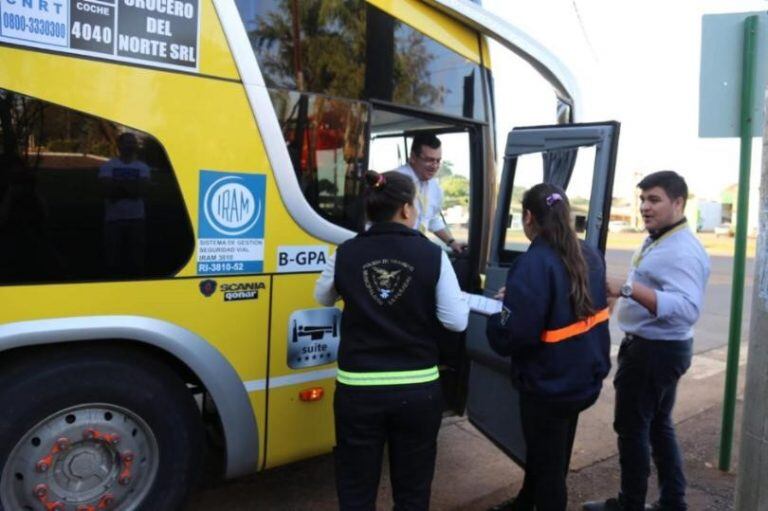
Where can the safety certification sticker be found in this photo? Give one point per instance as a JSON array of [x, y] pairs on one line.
[[162, 33], [231, 223]]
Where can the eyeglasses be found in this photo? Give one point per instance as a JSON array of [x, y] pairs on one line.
[[430, 161]]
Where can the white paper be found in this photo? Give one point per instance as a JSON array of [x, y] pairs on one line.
[[482, 304]]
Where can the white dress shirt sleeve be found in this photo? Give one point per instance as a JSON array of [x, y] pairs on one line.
[[325, 288], [452, 307]]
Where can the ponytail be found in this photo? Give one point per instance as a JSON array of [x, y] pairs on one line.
[[550, 208], [386, 193]]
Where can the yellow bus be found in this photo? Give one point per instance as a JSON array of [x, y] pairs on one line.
[[174, 175]]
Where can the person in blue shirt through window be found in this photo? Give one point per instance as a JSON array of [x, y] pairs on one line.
[[554, 325], [401, 297]]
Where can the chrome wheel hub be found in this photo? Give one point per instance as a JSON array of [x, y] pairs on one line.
[[84, 458]]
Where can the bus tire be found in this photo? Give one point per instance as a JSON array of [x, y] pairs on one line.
[[96, 428]]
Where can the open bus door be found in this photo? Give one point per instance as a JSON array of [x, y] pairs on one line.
[[492, 402]]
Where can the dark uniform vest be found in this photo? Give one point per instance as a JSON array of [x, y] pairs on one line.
[[388, 276]]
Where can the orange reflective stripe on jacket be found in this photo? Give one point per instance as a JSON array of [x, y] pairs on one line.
[[574, 329]]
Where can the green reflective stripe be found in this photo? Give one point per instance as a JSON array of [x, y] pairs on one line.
[[388, 378]]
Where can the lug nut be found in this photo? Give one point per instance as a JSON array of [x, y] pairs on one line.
[[107, 500], [42, 466], [88, 434], [124, 480], [63, 443], [41, 490], [128, 456], [115, 439]]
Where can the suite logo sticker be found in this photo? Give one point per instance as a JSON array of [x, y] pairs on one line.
[[387, 279]]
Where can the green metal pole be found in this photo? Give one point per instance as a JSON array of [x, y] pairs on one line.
[[737, 286]]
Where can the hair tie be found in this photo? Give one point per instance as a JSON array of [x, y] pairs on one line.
[[381, 181], [553, 198]]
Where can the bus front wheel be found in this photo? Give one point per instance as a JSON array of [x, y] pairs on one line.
[[95, 428]]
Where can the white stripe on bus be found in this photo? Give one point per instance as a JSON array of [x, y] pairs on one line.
[[291, 379]]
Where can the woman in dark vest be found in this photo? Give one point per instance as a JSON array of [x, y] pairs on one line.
[[400, 294], [554, 324]]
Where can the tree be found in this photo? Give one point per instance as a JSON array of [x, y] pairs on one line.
[[446, 169], [320, 46], [455, 191]]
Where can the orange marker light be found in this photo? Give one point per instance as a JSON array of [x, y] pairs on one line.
[[313, 394]]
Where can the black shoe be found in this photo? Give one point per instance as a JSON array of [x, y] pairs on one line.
[[603, 505]]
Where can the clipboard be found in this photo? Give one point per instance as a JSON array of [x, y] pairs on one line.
[[482, 304]]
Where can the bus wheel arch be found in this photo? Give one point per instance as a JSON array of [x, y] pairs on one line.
[[182, 352]]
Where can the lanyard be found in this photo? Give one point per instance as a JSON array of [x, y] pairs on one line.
[[423, 196], [643, 251]]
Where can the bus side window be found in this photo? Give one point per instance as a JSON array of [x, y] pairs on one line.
[[84, 198]]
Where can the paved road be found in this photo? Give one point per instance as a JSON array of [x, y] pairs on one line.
[[712, 328]]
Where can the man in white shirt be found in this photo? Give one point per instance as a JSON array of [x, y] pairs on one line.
[[124, 180], [423, 165]]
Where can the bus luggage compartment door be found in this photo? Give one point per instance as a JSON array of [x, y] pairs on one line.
[[493, 402]]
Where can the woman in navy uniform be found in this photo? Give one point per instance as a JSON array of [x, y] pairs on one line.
[[400, 295], [554, 324]]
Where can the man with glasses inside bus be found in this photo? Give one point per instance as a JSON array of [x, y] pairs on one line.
[[422, 167]]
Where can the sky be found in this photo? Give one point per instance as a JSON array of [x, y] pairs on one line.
[[635, 62]]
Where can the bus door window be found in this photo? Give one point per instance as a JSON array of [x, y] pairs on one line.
[[454, 179], [575, 176], [529, 171], [580, 189]]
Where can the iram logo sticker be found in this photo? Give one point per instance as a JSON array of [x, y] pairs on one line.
[[230, 207], [231, 223]]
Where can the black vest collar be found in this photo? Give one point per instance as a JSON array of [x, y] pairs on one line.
[[390, 228]]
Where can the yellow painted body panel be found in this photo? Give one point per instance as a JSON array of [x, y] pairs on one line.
[[237, 329], [486, 52], [215, 57], [215, 134], [296, 428], [203, 123], [435, 24]]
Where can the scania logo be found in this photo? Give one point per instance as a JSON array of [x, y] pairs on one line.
[[242, 291], [207, 287], [230, 207]]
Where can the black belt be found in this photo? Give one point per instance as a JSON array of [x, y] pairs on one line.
[[632, 337]]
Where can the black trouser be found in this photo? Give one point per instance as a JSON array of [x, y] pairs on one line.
[[646, 384], [407, 418], [549, 428]]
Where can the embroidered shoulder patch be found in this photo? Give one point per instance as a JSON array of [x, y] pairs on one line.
[[504, 315], [387, 279]]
